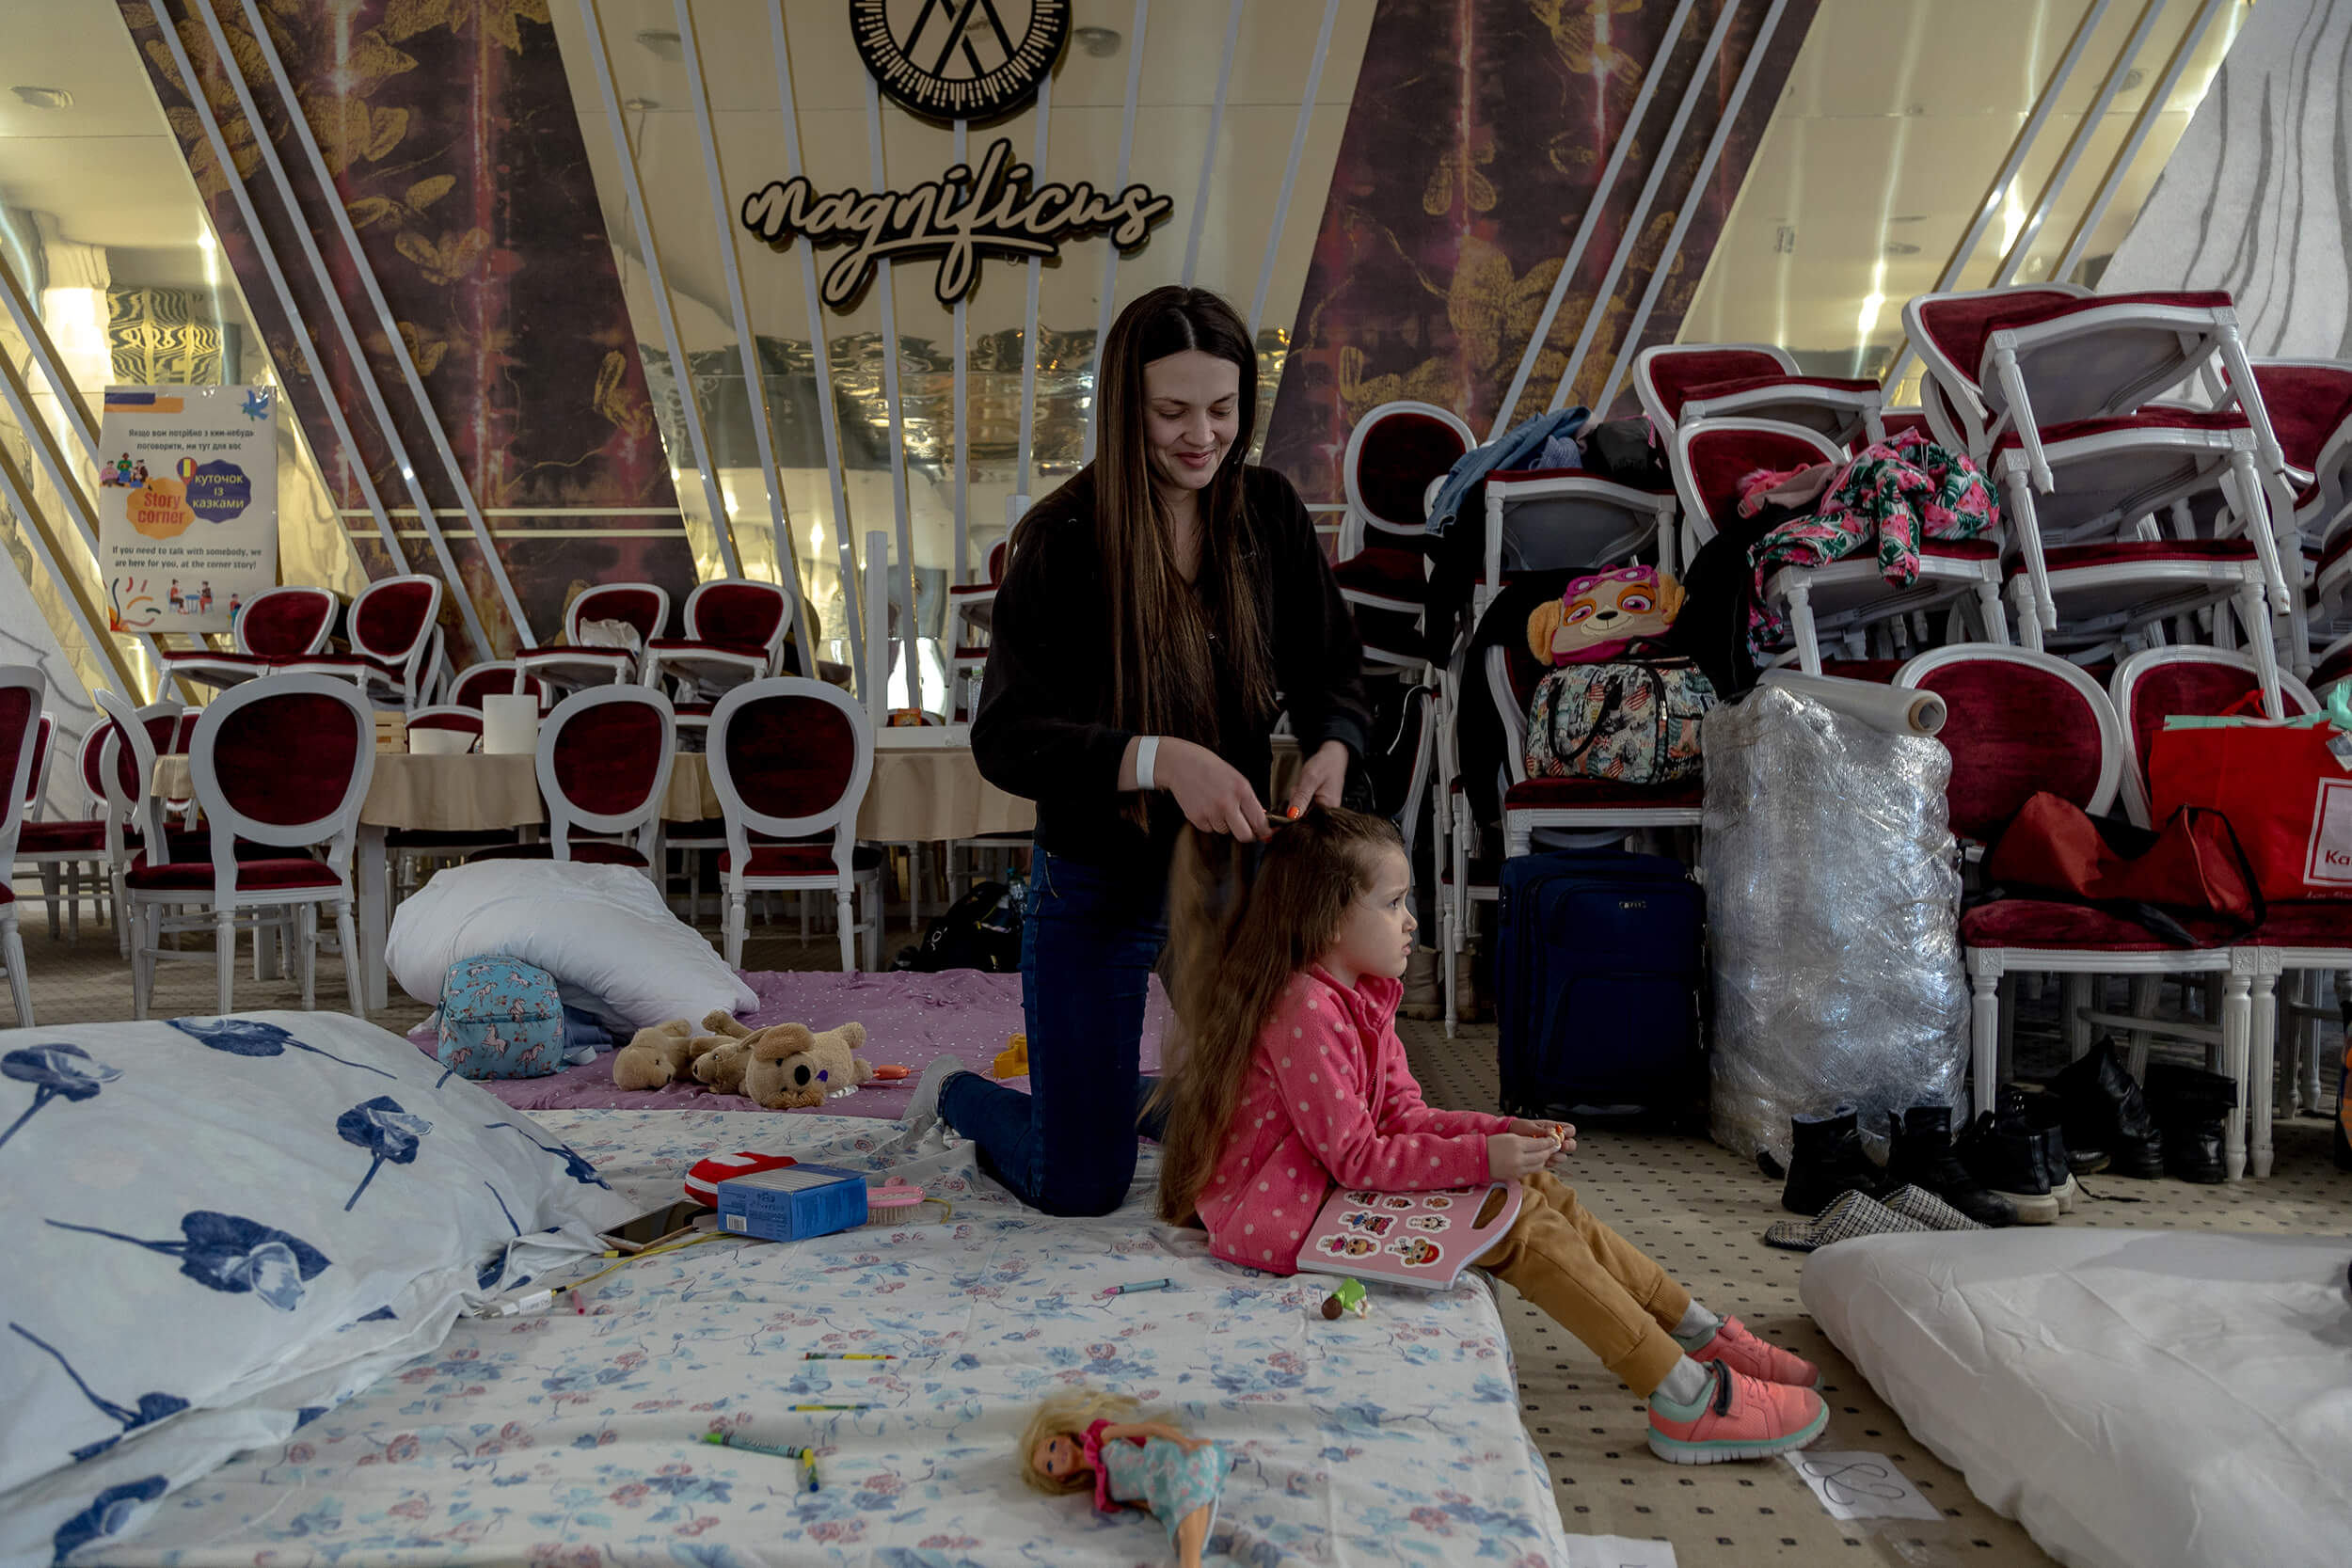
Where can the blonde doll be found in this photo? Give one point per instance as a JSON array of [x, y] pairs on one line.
[[1086, 1437]]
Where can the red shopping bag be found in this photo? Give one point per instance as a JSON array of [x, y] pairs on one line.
[[2280, 784]]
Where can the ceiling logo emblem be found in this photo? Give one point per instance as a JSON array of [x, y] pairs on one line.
[[959, 59]]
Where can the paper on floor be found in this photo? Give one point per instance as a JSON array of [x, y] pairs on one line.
[[1859, 1485]]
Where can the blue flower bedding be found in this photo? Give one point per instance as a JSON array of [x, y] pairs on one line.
[[219, 1229], [577, 1439]]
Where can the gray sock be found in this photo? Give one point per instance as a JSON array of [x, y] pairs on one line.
[[1686, 1384], [1697, 1326]]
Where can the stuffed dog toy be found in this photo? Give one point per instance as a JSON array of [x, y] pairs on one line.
[[792, 1067]]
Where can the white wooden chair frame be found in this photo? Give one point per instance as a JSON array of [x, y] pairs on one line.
[[568, 667], [220, 670], [1858, 594], [840, 818], [338, 830], [641, 826], [2247, 976], [25, 678]]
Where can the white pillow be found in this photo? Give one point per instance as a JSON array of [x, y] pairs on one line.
[[216, 1228], [601, 930]]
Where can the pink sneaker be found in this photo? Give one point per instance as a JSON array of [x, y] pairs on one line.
[[1739, 1418], [1743, 1352]]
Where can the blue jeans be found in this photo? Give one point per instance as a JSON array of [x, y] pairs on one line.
[[1088, 948]]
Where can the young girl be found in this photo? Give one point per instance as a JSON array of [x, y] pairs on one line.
[[1292, 1079], [1073, 1444]]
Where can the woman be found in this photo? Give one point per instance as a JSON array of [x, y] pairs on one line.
[[1155, 607]]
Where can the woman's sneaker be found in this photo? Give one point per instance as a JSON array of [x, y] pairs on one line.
[[922, 1113], [1732, 1346], [1739, 1418]]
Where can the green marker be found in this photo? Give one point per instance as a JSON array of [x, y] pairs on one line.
[[807, 1456]]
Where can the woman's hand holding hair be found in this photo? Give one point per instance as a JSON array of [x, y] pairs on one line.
[[1212, 793], [1322, 779]]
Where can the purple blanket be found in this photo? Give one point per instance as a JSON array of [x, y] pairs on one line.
[[909, 1020]]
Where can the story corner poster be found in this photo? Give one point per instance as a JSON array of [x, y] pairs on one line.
[[188, 505]]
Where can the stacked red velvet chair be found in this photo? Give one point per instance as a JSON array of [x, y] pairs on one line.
[[280, 624], [1680, 383], [2056, 393], [1712, 458], [642, 607], [395, 636]]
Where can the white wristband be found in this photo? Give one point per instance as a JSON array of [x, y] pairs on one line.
[[1146, 748]]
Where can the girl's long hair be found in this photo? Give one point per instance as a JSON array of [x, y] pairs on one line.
[[1235, 939], [1069, 1412], [1160, 670]]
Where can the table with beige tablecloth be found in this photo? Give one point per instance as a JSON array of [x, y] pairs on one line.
[[917, 794]]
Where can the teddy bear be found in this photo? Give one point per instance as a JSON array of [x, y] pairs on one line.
[[793, 1068], [656, 1056], [1602, 616]]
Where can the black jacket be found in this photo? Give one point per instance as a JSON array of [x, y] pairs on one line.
[[1045, 729]]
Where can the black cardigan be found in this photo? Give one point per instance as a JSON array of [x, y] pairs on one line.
[[1045, 729]]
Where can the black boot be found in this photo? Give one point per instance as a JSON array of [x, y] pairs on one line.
[[2005, 1157], [2192, 1107], [2046, 1111], [2104, 1110], [2020, 1111], [1825, 1161], [1921, 1155]]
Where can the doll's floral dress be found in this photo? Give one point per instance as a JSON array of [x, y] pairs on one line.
[[1157, 1473]]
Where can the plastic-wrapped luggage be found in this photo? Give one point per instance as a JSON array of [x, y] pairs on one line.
[[1832, 890]]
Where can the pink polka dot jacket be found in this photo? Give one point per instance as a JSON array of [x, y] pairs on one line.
[[1330, 1101]]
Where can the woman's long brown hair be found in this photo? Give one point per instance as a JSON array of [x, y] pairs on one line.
[[1160, 674], [1235, 939]]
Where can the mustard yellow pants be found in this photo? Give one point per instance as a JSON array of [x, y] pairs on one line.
[[1593, 1282]]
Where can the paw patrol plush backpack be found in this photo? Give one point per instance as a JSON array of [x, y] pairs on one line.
[[1613, 708]]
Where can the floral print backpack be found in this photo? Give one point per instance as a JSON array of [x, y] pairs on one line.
[[500, 1018], [1633, 722]]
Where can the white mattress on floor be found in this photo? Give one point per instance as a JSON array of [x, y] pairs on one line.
[[2135, 1398], [573, 1441]]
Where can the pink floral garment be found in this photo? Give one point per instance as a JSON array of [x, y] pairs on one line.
[[1902, 492]]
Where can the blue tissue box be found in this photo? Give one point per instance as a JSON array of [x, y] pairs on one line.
[[792, 1204]]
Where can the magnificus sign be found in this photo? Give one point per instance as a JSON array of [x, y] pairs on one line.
[[1000, 213]]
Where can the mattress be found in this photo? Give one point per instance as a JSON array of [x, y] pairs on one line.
[[2135, 1398], [910, 1019], [575, 1437]]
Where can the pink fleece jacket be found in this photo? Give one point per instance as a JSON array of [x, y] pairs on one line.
[[1330, 1100]]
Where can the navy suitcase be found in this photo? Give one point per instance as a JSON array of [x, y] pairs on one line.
[[1597, 984]]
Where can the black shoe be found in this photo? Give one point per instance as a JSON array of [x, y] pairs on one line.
[[2046, 1111], [2192, 1107], [1921, 1155], [2007, 1159], [1826, 1160], [2104, 1110], [2020, 1111]]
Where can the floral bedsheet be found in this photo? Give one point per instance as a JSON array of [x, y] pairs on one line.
[[577, 1437]]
